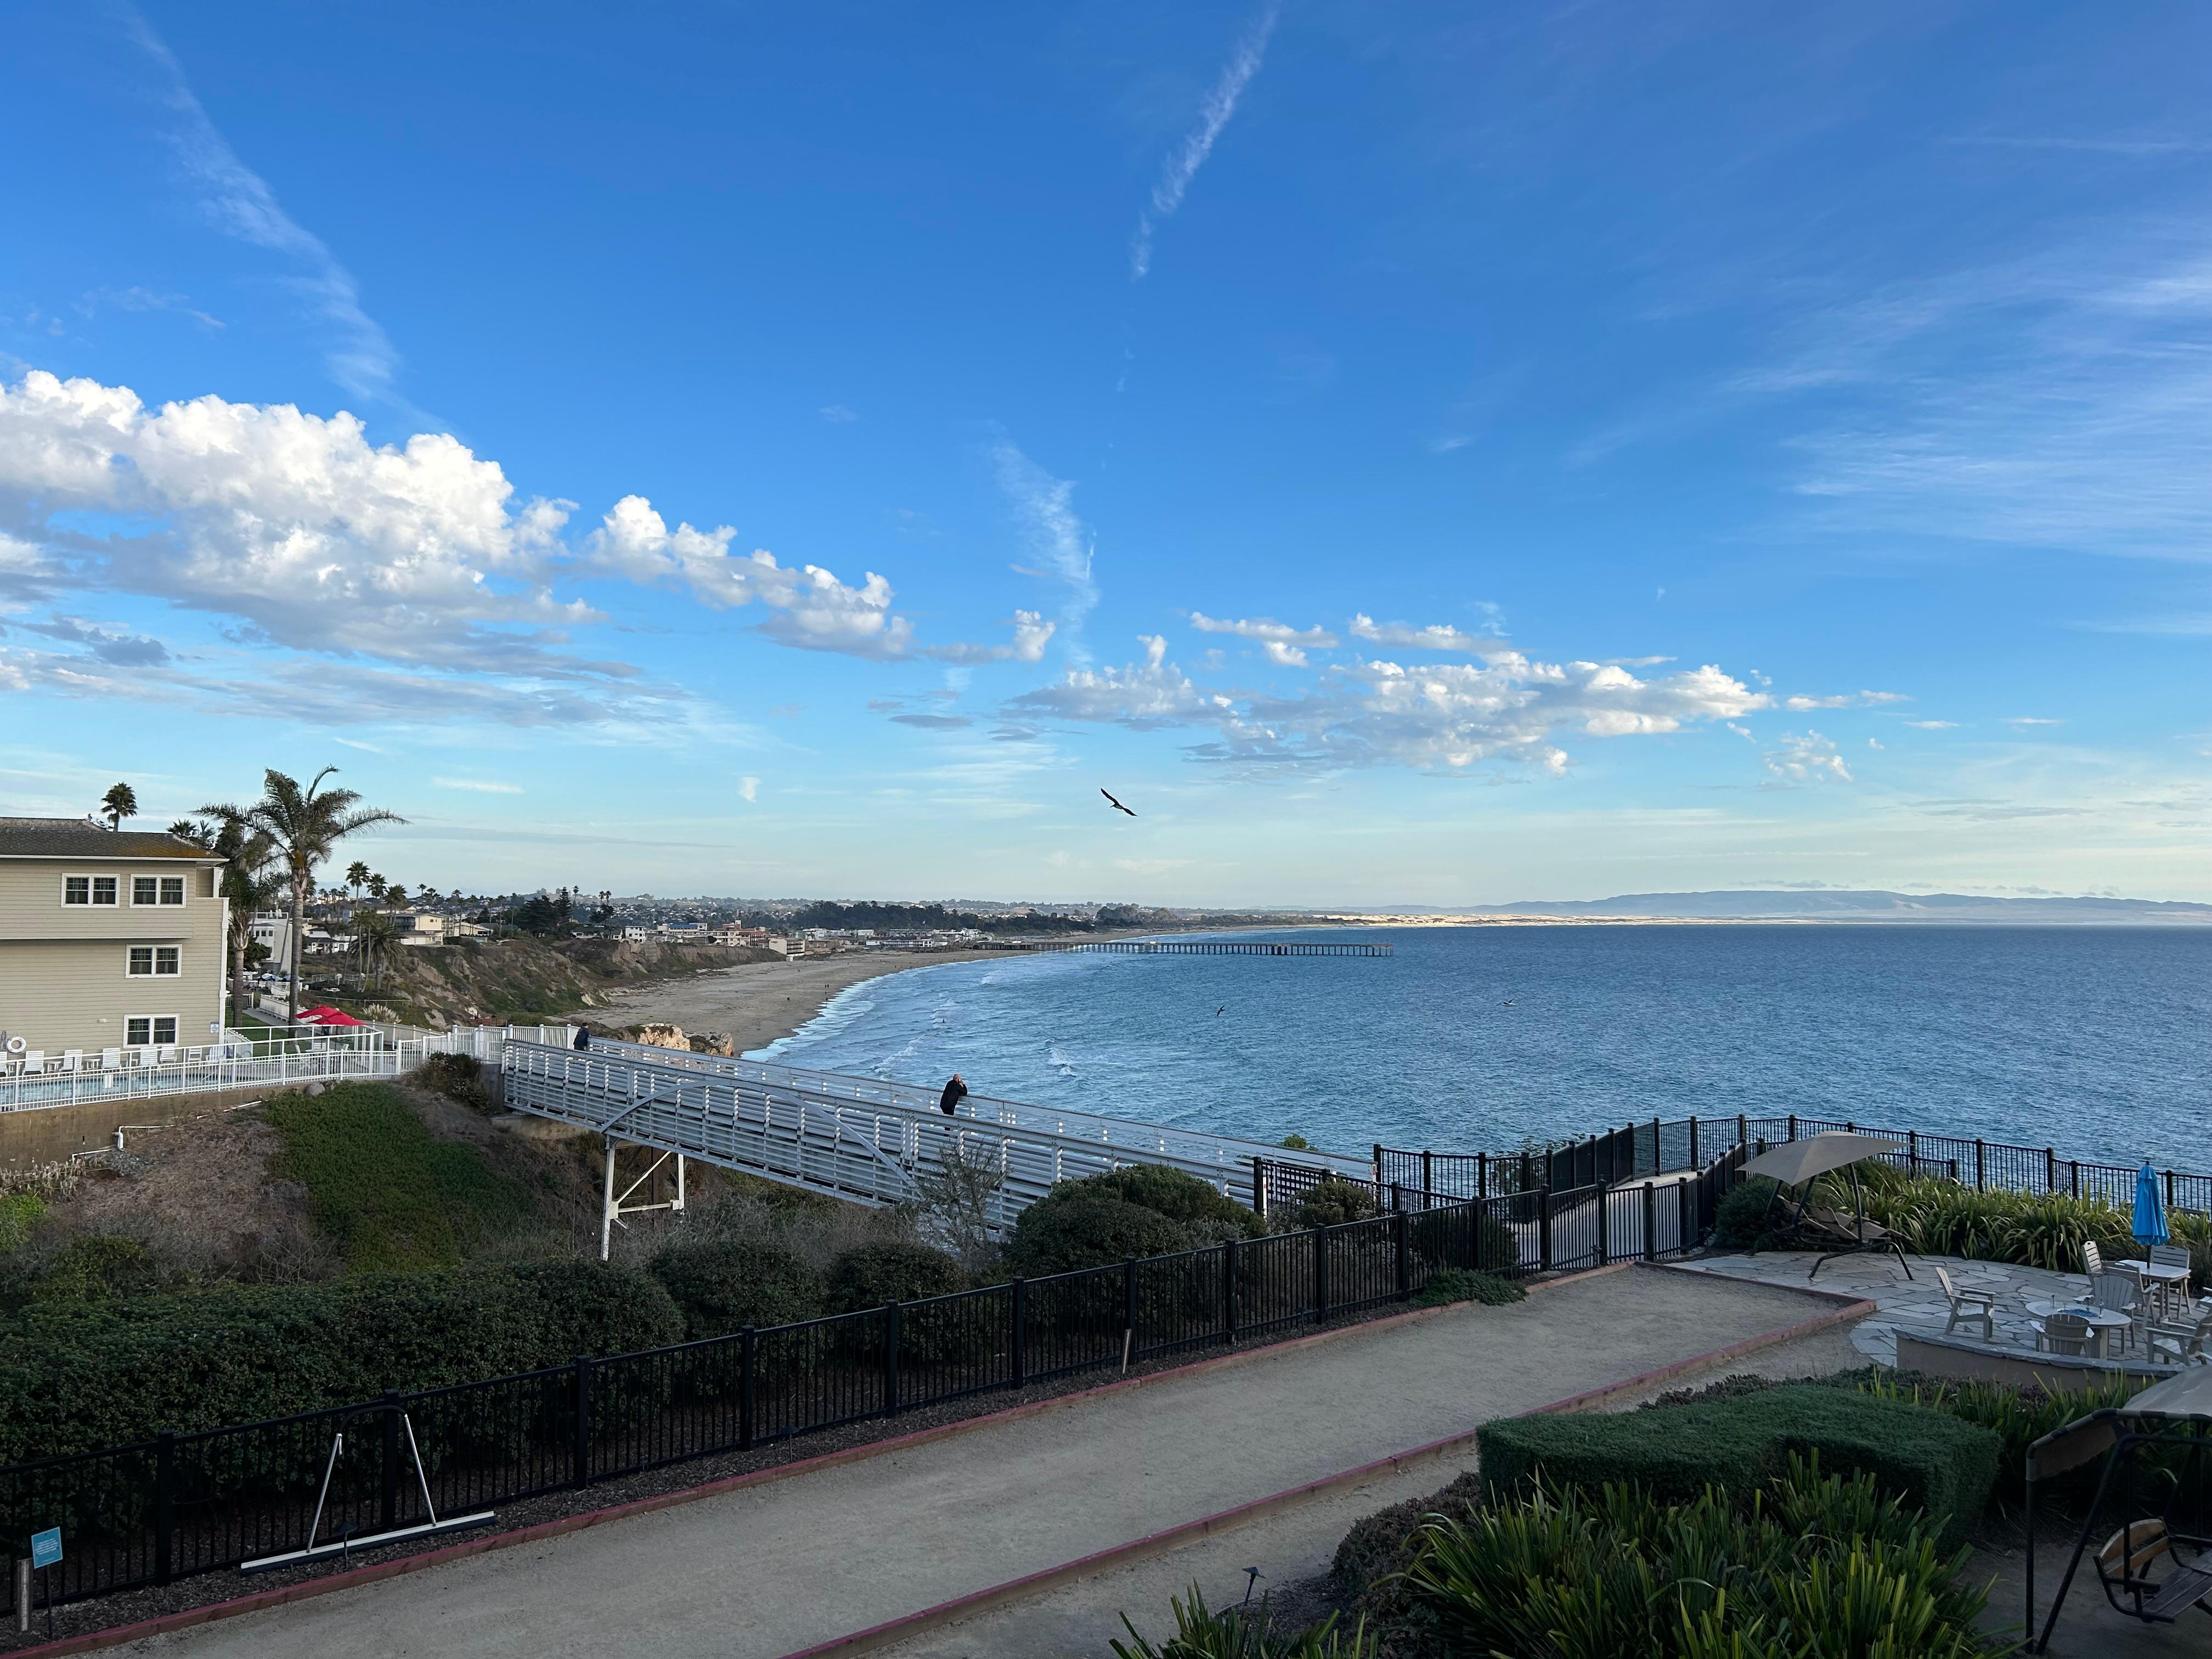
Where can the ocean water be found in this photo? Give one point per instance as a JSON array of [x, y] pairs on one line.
[[2097, 1041]]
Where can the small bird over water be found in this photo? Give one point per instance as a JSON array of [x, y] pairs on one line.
[[1117, 804]]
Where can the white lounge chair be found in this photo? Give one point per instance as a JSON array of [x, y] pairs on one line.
[[2180, 1344], [1968, 1308], [2120, 1293]]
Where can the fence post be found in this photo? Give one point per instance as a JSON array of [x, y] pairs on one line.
[[1321, 1275], [1544, 1229], [388, 1497], [581, 1451], [1378, 1163], [2050, 1169], [1980, 1184], [1021, 1318], [890, 1357], [1604, 1226], [1793, 1126], [747, 1342], [1259, 1186], [2076, 1182], [2169, 1189], [1481, 1176], [1130, 1303], [1685, 1203], [1743, 1129], [1694, 1140], [165, 1486], [1404, 1262], [1650, 1219]]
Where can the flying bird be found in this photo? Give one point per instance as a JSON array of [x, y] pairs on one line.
[[1117, 804]]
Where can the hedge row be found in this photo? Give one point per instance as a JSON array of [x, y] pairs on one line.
[[76, 1378], [1931, 1460]]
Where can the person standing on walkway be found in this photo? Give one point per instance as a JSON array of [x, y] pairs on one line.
[[583, 1038], [955, 1092]]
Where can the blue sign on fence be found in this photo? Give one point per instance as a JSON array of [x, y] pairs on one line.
[[46, 1547]]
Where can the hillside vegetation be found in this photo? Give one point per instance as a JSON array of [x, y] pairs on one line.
[[497, 981]]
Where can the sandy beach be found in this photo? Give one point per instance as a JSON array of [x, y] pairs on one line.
[[759, 1001]]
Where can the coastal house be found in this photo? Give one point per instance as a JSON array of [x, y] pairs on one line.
[[108, 940]]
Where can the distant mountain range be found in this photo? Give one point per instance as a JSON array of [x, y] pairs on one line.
[[1822, 904]]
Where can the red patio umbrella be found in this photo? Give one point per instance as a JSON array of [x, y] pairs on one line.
[[326, 1015]]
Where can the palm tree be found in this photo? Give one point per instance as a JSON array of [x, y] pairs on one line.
[[120, 802], [377, 888], [375, 929], [304, 827], [356, 877]]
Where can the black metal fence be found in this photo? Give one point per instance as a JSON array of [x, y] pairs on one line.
[[1657, 1147], [206, 1501]]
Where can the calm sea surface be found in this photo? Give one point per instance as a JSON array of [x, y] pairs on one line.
[[2096, 1041]]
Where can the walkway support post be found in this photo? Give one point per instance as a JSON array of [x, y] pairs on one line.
[[607, 1204]]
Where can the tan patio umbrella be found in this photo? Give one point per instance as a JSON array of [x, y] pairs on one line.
[[1796, 1161]]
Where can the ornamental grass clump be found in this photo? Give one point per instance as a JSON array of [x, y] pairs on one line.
[[1811, 1566]]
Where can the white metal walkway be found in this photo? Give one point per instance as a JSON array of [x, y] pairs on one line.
[[860, 1139]]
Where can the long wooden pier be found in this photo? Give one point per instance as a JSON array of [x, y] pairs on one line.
[[1205, 947]]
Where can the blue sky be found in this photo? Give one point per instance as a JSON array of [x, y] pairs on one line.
[[1412, 454]]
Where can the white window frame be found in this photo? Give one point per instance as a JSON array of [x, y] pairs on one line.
[[153, 955], [92, 901], [160, 899], [153, 1039]]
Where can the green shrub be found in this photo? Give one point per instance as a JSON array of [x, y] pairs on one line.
[[19, 1214], [1933, 1461], [1461, 1285], [97, 1267], [724, 1285], [393, 1196], [458, 1077], [1466, 1236], [872, 1274], [1064, 1232], [1170, 1193], [2020, 1417], [1243, 1633], [77, 1378], [1807, 1567], [1332, 1202], [1741, 1218]]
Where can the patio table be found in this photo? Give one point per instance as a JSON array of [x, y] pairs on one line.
[[2103, 1321], [2157, 1278]]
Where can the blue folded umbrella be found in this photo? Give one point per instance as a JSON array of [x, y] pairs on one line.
[[2150, 1212]]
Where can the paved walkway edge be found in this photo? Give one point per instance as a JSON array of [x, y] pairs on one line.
[[1844, 1310], [93, 1641]]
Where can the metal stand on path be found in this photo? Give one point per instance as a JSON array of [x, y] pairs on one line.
[[346, 1543]]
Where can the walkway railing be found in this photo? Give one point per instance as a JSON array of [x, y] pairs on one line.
[[1660, 1147], [78, 1078], [862, 1139]]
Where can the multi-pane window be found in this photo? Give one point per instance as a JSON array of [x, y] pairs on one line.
[[155, 961], [173, 889], [140, 1030], [90, 890], [157, 889]]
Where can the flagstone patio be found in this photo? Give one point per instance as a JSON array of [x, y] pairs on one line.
[[1916, 1304]]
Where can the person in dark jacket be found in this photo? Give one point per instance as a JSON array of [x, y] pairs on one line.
[[583, 1038], [955, 1092]]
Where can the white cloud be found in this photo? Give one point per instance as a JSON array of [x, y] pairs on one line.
[[1437, 636], [1142, 697], [1284, 646], [1933, 725], [304, 536], [480, 786], [836, 414], [239, 203], [2031, 720], [809, 607], [1807, 757], [749, 789], [1845, 699], [1213, 115], [1058, 539], [1449, 715]]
